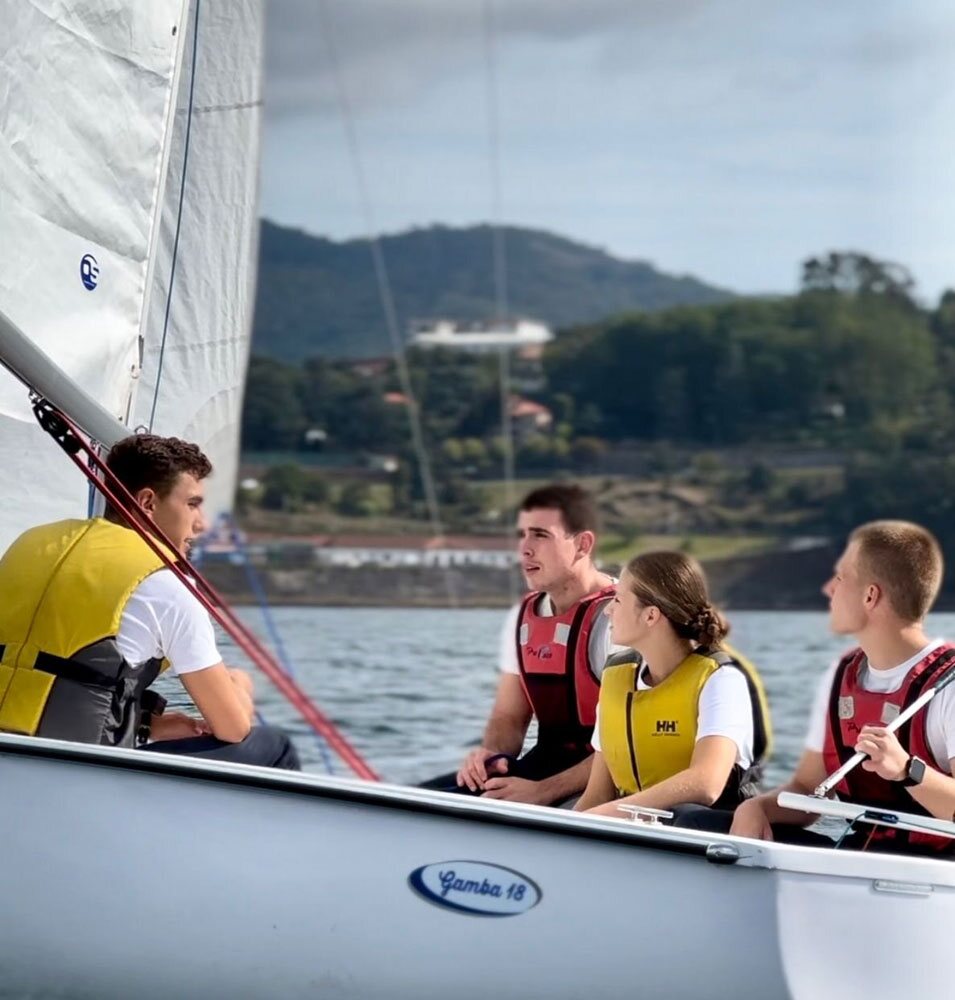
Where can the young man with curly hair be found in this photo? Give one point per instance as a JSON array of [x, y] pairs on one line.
[[90, 616]]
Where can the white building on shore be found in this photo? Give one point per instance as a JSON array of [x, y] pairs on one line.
[[480, 337]]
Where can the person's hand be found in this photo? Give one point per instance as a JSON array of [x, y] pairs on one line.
[[177, 726], [516, 790], [474, 771], [887, 757], [750, 820]]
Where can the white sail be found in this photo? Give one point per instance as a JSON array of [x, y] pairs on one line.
[[86, 103], [199, 322]]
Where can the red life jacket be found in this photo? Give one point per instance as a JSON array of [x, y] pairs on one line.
[[851, 707], [552, 655]]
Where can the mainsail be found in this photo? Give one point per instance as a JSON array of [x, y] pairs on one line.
[[86, 102], [136, 285], [200, 308]]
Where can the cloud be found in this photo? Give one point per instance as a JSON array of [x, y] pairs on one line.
[[391, 50], [670, 129]]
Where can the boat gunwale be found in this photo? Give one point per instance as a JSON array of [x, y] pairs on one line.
[[356, 790], [773, 856]]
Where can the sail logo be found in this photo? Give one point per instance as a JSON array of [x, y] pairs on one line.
[[476, 888], [89, 272]]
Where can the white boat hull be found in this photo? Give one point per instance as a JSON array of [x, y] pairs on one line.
[[134, 874]]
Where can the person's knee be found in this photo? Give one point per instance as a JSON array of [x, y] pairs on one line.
[[271, 747]]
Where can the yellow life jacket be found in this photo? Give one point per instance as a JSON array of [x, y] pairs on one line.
[[63, 588], [649, 735]]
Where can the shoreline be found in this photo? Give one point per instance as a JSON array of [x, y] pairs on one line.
[[780, 581], [775, 581]]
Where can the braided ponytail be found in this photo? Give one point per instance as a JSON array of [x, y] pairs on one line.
[[675, 583], [707, 627]]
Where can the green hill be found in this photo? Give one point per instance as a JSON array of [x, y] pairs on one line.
[[319, 297]]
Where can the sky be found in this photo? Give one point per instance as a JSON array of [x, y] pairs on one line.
[[729, 140]]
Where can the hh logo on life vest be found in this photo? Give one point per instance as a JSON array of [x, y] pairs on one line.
[[666, 727]]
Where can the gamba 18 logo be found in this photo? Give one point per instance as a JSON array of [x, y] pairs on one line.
[[89, 272], [475, 887]]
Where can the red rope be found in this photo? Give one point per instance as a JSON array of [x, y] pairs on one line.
[[120, 498]]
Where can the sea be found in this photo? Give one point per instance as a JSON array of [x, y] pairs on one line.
[[412, 688]]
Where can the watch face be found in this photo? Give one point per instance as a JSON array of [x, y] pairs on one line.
[[916, 770]]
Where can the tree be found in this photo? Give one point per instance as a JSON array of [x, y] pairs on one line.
[[852, 273], [315, 488], [283, 487], [760, 478], [357, 500], [586, 452], [272, 417]]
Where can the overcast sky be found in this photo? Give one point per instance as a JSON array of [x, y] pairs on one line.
[[726, 139]]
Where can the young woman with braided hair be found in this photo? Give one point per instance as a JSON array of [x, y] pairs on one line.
[[682, 722]]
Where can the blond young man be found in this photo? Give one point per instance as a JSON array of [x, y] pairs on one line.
[[882, 587]]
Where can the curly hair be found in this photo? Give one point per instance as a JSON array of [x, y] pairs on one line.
[[148, 460]]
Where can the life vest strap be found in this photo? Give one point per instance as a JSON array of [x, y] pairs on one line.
[[76, 670]]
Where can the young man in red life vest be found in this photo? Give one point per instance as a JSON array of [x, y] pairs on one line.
[[883, 586], [554, 645]]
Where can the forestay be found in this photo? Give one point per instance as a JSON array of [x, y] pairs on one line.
[[200, 309], [85, 106]]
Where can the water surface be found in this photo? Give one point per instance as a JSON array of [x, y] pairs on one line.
[[411, 688]]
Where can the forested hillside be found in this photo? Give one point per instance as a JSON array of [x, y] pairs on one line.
[[319, 297], [851, 364]]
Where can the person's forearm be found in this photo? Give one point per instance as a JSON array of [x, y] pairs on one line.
[[504, 735], [245, 700], [688, 786], [936, 793], [566, 783]]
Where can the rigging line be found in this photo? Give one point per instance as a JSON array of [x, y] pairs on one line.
[[258, 591], [182, 196], [499, 260], [385, 296]]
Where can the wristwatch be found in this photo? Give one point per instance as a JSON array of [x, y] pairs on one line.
[[914, 772]]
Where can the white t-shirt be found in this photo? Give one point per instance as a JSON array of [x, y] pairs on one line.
[[725, 709], [939, 721], [599, 647], [162, 619]]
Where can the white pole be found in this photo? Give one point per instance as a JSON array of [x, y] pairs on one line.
[[35, 369]]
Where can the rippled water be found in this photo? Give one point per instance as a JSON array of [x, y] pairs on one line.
[[412, 688]]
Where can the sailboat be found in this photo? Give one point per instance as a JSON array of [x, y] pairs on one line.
[[139, 874]]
